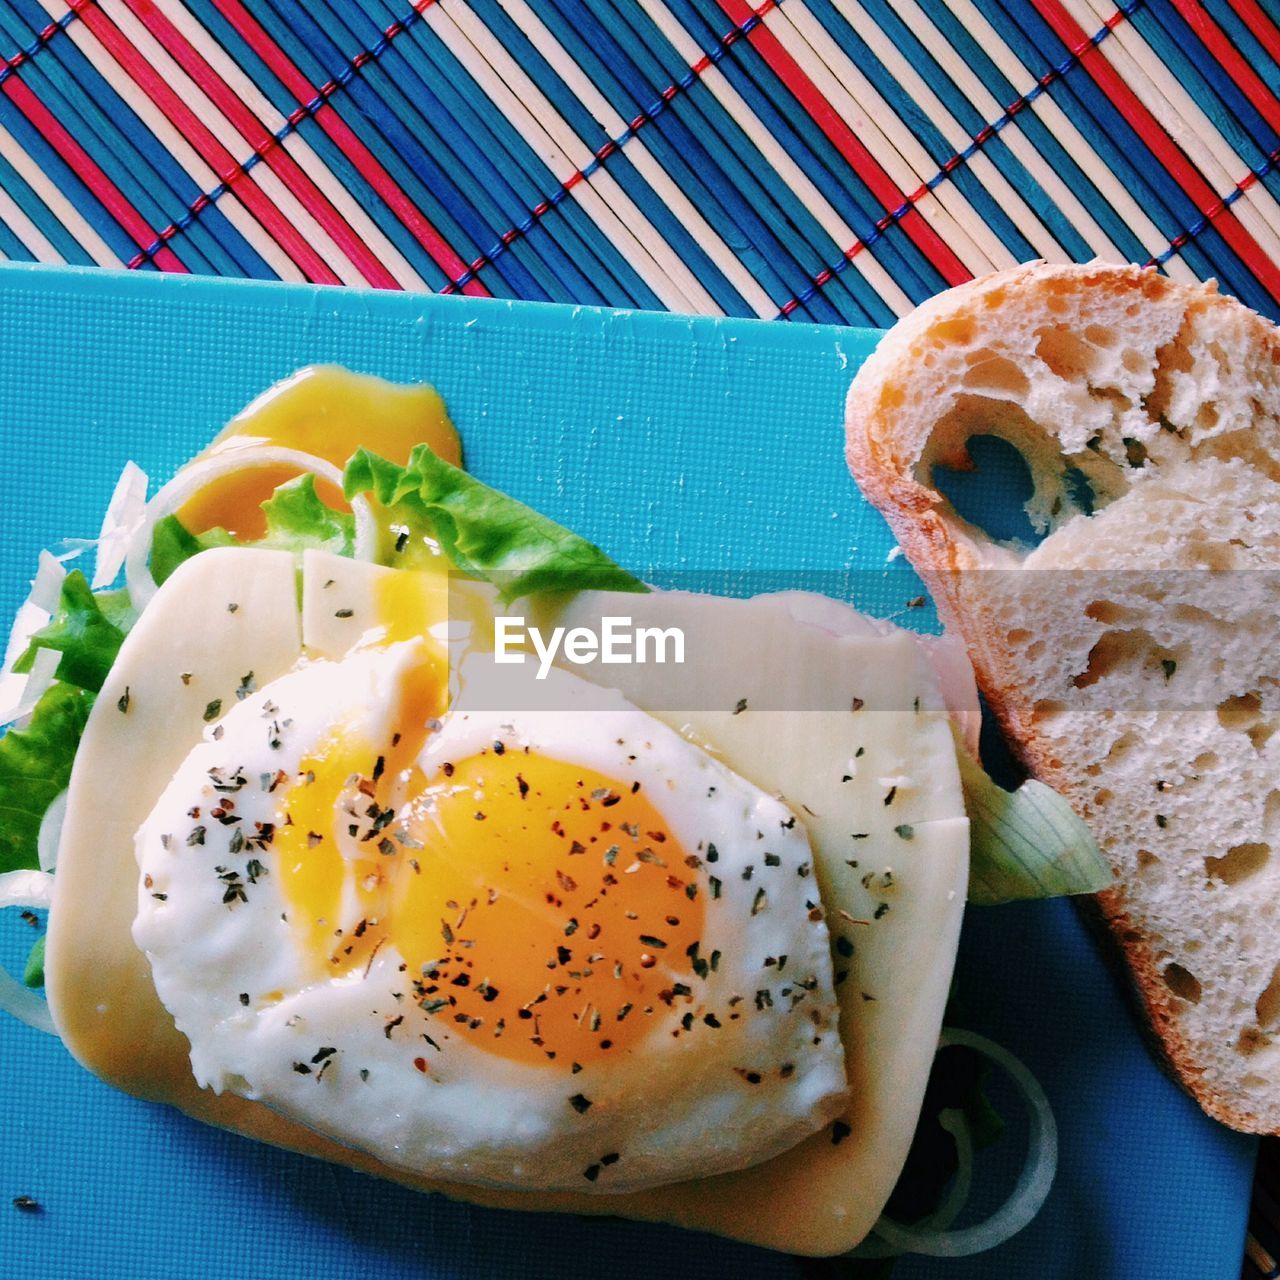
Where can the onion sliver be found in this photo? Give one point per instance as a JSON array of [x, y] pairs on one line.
[[29, 889], [50, 836], [1033, 1182], [125, 512], [25, 691], [196, 475]]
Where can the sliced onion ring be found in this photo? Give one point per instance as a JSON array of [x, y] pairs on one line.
[[25, 889], [196, 475], [1033, 1182]]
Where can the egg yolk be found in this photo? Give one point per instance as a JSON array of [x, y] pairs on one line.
[[550, 914], [544, 911], [325, 411]]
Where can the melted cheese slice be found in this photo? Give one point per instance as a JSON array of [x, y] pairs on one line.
[[898, 909]]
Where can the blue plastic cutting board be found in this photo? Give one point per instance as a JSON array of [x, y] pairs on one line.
[[681, 446]]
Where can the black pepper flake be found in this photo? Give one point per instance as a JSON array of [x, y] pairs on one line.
[[772, 860], [890, 794], [185, 677], [392, 1024], [302, 1069], [591, 1172], [880, 910], [122, 703], [244, 998], [196, 837], [844, 946], [212, 710], [905, 830], [612, 1158], [26, 1204], [916, 602], [233, 608], [759, 903], [740, 706], [246, 686], [713, 883], [447, 769], [344, 613], [1161, 821], [856, 704], [839, 1132], [521, 783], [580, 1103]]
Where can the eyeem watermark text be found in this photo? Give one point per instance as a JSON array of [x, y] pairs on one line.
[[618, 642]]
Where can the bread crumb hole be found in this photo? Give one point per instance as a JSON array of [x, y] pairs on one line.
[[1271, 808], [1135, 361], [1017, 637], [1253, 1081], [1101, 335], [1267, 1007], [998, 376], [1048, 708], [1147, 863], [1239, 862], [1121, 746], [1206, 417], [1205, 761], [1259, 733], [1241, 712], [1182, 982], [958, 330], [1107, 611], [1249, 1041], [1112, 650], [1102, 797], [1192, 614], [1066, 354]]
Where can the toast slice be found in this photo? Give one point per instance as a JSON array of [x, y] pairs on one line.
[[1130, 655]]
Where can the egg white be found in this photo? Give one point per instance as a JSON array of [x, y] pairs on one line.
[[330, 1052]]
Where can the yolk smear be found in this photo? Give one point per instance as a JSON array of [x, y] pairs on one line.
[[550, 913], [412, 602], [342, 825], [326, 411]]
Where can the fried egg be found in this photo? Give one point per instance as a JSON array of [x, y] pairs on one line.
[[560, 948]]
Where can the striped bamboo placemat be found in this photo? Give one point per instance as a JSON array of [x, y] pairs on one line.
[[830, 160], [835, 160]]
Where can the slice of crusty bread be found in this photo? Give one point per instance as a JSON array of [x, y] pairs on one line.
[[1132, 655]]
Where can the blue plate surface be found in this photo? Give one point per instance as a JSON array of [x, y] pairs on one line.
[[710, 448]]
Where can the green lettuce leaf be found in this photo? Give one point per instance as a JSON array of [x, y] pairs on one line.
[[35, 766], [483, 532], [87, 639], [33, 974], [1027, 843], [172, 544], [296, 521]]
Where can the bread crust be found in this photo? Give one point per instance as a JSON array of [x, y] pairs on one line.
[[897, 427]]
